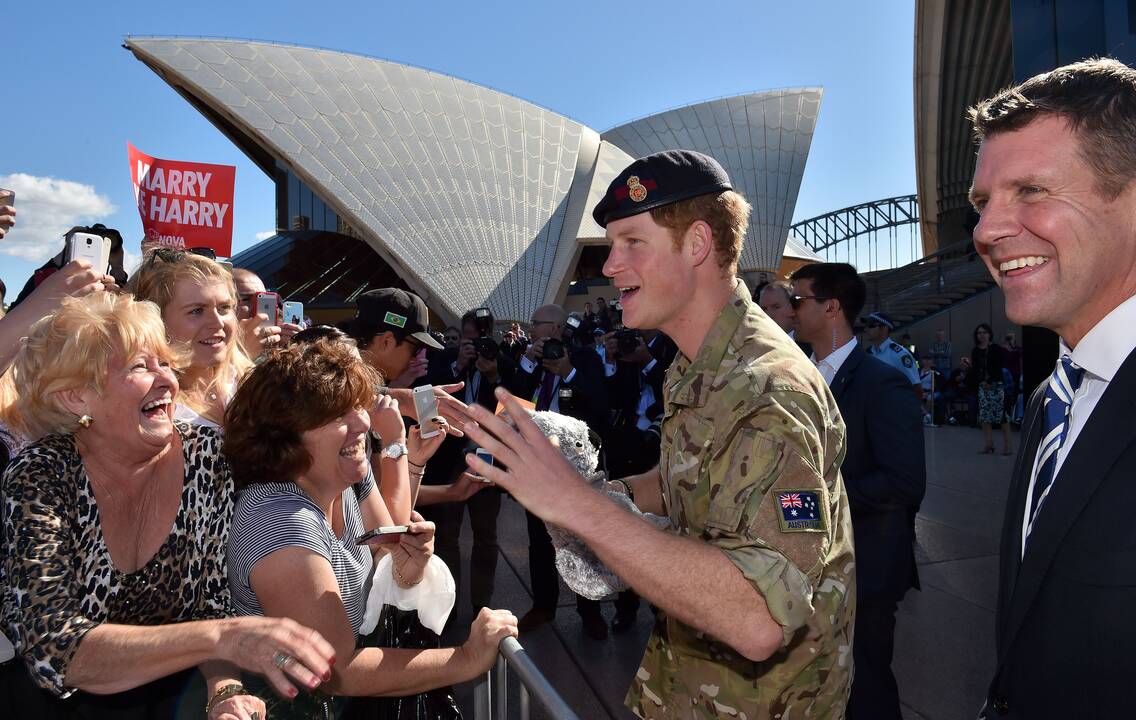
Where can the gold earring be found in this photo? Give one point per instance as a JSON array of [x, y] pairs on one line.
[[86, 421]]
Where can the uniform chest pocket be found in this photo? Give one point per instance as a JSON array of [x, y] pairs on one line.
[[687, 455], [747, 465]]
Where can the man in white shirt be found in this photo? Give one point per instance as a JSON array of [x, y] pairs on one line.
[[884, 472], [1054, 188]]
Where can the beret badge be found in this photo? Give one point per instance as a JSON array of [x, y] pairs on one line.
[[635, 190]]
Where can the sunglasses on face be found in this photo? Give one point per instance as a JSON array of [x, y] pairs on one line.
[[873, 324], [797, 300], [167, 255]]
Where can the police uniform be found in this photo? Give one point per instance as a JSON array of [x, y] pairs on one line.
[[898, 357], [752, 443], [893, 353]]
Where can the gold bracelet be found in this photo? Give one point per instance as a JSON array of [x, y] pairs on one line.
[[398, 576], [224, 693]]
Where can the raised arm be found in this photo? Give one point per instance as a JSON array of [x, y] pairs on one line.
[[298, 583], [711, 587]]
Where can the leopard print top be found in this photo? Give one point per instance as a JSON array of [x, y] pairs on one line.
[[56, 574]]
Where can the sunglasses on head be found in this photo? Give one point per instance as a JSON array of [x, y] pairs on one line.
[[167, 255], [796, 300]]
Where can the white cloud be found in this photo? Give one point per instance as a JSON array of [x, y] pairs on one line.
[[130, 261], [45, 209], [265, 235]]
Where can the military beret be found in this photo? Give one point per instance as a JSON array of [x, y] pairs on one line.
[[660, 179]]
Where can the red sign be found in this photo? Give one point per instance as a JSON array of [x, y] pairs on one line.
[[184, 204]]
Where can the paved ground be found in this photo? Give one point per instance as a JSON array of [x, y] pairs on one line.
[[944, 638]]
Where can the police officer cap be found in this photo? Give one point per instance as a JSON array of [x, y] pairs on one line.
[[660, 179], [882, 319]]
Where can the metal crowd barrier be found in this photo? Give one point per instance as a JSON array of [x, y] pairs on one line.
[[491, 695]]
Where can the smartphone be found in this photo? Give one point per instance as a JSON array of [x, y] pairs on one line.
[[87, 246], [382, 535], [266, 304], [485, 455], [427, 407], [7, 197], [294, 313]]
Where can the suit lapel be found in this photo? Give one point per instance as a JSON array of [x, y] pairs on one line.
[[844, 375], [1011, 555], [1108, 432]]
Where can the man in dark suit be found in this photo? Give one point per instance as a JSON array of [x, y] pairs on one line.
[[481, 372], [572, 383], [884, 472], [635, 391], [1055, 192]]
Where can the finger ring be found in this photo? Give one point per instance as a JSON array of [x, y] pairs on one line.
[[281, 658], [255, 715]]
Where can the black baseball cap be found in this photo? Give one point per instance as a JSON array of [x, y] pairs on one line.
[[660, 179], [394, 310]]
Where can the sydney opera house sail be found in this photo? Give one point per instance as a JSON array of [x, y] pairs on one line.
[[471, 196]]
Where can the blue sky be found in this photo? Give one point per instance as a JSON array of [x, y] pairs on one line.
[[73, 97]]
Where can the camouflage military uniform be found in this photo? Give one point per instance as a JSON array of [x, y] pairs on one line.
[[750, 458]]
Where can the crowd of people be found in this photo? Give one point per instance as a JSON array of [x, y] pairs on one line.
[[200, 503]]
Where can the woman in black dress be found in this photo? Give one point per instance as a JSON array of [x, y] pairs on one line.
[[988, 361]]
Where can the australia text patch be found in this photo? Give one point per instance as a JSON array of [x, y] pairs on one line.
[[800, 511]]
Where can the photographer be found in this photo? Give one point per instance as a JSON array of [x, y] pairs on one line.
[[560, 377], [636, 364], [636, 390], [479, 363]]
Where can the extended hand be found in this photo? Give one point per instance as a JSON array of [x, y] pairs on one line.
[[538, 476]]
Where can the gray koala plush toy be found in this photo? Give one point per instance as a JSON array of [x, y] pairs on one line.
[[575, 561]]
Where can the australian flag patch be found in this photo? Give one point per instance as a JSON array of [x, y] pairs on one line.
[[800, 511]]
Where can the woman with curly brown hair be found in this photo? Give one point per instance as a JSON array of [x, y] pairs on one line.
[[296, 439]]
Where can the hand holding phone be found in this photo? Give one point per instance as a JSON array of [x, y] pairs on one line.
[[426, 406], [383, 535], [486, 457], [294, 313], [7, 217], [266, 304], [92, 248]]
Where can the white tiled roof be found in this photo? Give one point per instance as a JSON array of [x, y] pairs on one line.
[[762, 139], [477, 197]]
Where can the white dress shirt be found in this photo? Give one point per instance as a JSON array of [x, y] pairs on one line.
[[831, 364], [1101, 353], [530, 367]]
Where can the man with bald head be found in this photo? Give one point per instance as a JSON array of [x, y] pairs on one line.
[[776, 300], [248, 285], [570, 382]]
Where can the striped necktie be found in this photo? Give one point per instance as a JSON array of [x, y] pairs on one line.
[[1063, 384]]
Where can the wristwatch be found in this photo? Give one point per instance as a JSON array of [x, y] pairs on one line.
[[395, 450]]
